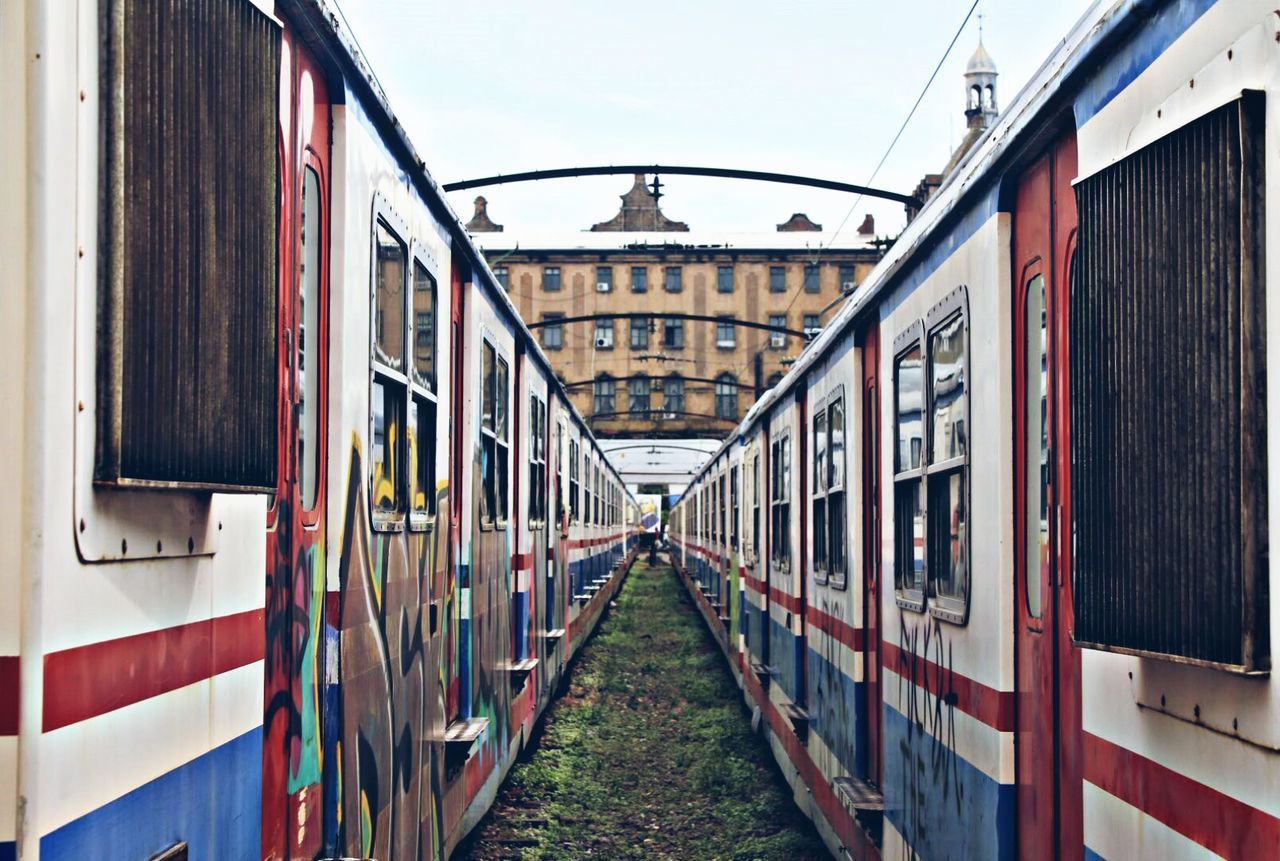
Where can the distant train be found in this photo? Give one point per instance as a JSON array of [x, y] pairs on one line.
[[991, 562], [246, 341]]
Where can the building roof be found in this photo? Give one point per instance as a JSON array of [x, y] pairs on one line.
[[980, 63], [694, 240]]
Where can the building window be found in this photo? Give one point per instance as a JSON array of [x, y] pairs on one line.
[[604, 402], [604, 334], [500, 273], [811, 282], [553, 333], [777, 279], [639, 333], [673, 394], [754, 483], [724, 279], [812, 326], [846, 278], [639, 279], [780, 503], [551, 279], [733, 505], [674, 279], [778, 340], [725, 332], [494, 438], [829, 549], [639, 389], [673, 334], [931, 468], [604, 279], [727, 396], [422, 405]]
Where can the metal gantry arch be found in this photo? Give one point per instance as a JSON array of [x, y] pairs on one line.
[[686, 170]]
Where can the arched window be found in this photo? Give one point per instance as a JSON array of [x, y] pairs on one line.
[[673, 394], [975, 97], [604, 402], [989, 98], [639, 391], [727, 396]]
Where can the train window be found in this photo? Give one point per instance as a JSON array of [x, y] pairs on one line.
[[385, 410], [908, 502], [733, 502], [1036, 442], [502, 441], [488, 438], [1169, 521], [388, 320], [422, 418], [819, 518], [829, 493], [537, 462], [575, 485], [756, 478], [837, 558], [948, 514], [387, 395], [308, 347], [780, 502]]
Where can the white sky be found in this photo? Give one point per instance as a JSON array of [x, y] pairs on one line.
[[816, 88]]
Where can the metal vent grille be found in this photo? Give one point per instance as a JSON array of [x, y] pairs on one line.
[[1168, 415], [187, 304]]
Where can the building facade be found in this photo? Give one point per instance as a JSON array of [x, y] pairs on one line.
[[649, 376]]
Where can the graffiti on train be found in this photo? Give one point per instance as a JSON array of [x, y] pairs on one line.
[[930, 768]]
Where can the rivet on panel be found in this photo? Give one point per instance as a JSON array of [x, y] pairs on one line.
[[82, 95], [80, 406], [1230, 54], [124, 546], [159, 547], [1193, 83], [82, 524]]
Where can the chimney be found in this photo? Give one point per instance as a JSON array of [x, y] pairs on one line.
[[480, 222], [868, 226], [798, 222]]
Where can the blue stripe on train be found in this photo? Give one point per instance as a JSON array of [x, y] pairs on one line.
[[838, 713], [943, 806], [213, 803], [8, 851]]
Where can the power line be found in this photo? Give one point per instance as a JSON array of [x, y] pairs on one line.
[[903, 127]]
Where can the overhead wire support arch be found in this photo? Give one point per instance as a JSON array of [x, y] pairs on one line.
[[664, 315], [685, 170]]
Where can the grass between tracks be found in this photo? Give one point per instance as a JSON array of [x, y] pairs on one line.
[[650, 754]]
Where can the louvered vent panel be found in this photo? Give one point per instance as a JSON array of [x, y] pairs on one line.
[[187, 343], [1167, 398]]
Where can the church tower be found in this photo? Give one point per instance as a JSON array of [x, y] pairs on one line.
[[980, 87]]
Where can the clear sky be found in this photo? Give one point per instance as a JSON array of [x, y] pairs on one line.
[[817, 88]]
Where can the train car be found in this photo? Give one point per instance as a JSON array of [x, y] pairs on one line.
[[287, 574], [1024, 475]]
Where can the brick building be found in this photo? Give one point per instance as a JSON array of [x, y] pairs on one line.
[[658, 377]]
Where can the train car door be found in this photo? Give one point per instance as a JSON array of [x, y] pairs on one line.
[[1047, 664], [871, 738], [295, 588]]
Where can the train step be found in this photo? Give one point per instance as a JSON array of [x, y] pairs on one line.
[[799, 719], [865, 801]]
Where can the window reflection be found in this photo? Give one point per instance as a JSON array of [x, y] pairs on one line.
[[946, 357], [1036, 504], [424, 327], [910, 397], [389, 298], [308, 355]]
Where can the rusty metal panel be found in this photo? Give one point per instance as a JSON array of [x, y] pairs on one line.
[[1168, 416], [187, 377]]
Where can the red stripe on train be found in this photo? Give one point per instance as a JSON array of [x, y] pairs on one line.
[[994, 708], [10, 670], [1218, 822], [90, 680]]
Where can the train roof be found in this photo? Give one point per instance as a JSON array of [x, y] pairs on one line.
[[330, 35], [1032, 114]]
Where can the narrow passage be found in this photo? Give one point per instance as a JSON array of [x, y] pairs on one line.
[[650, 754]]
